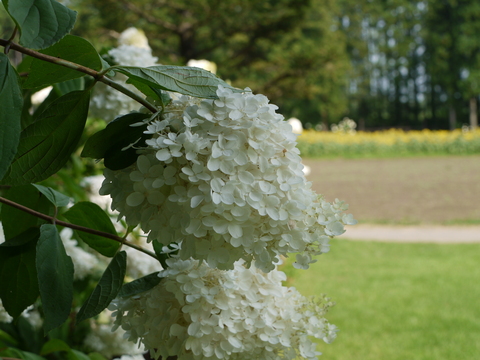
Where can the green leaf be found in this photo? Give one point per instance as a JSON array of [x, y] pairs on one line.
[[11, 101], [96, 356], [59, 90], [56, 198], [76, 355], [55, 277], [182, 79], [18, 354], [24, 66], [42, 22], [31, 234], [7, 340], [108, 143], [31, 337], [71, 48], [92, 216], [65, 87], [54, 345], [46, 145], [15, 221], [106, 289], [161, 256], [140, 285], [18, 277]]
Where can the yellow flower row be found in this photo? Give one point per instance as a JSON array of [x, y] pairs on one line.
[[393, 141]]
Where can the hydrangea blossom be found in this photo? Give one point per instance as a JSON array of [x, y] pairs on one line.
[[203, 64], [31, 314], [133, 50], [139, 264], [224, 177], [197, 312], [4, 316], [109, 343]]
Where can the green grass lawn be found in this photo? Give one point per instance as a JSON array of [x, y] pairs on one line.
[[398, 301]]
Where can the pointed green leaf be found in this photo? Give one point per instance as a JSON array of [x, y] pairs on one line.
[[56, 198], [77, 355], [11, 101], [70, 48], [54, 345], [12, 353], [108, 143], [15, 221], [65, 87], [6, 340], [31, 234], [55, 277], [59, 90], [161, 256], [140, 285], [106, 289], [18, 277], [46, 145], [41, 22], [92, 216], [96, 356], [182, 79], [30, 336]]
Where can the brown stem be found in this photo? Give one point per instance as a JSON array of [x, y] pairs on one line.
[[77, 67], [75, 227], [7, 47]]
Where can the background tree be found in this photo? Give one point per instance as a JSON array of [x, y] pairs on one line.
[[396, 63], [285, 49]]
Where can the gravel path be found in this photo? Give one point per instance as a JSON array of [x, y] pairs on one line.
[[419, 234]]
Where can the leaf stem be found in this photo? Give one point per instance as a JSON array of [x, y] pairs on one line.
[[75, 227], [9, 41], [77, 67]]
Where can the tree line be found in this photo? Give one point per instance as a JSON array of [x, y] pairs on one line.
[[398, 63]]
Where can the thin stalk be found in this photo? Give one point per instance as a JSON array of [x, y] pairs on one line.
[[77, 67], [75, 227]]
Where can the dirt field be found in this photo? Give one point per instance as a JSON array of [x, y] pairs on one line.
[[423, 190]]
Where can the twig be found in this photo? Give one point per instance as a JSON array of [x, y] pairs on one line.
[[77, 67], [75, 227], [7, 47]]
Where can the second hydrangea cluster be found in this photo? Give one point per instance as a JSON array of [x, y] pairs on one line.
[[197, 312], [224, 178]]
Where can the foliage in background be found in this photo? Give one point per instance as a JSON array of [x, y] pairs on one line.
[[284, 49], [409, 64]]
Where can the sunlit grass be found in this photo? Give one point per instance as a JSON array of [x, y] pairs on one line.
[[388, 143], [398, 301]]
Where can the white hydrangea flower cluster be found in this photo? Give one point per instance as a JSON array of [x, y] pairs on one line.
[[346, 126], [4, 316], [107, 103], [109, 343], [31, 314], [131, 357], [197, 312], [224, 177]]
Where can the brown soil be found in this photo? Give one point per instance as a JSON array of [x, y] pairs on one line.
[[417, 190]]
